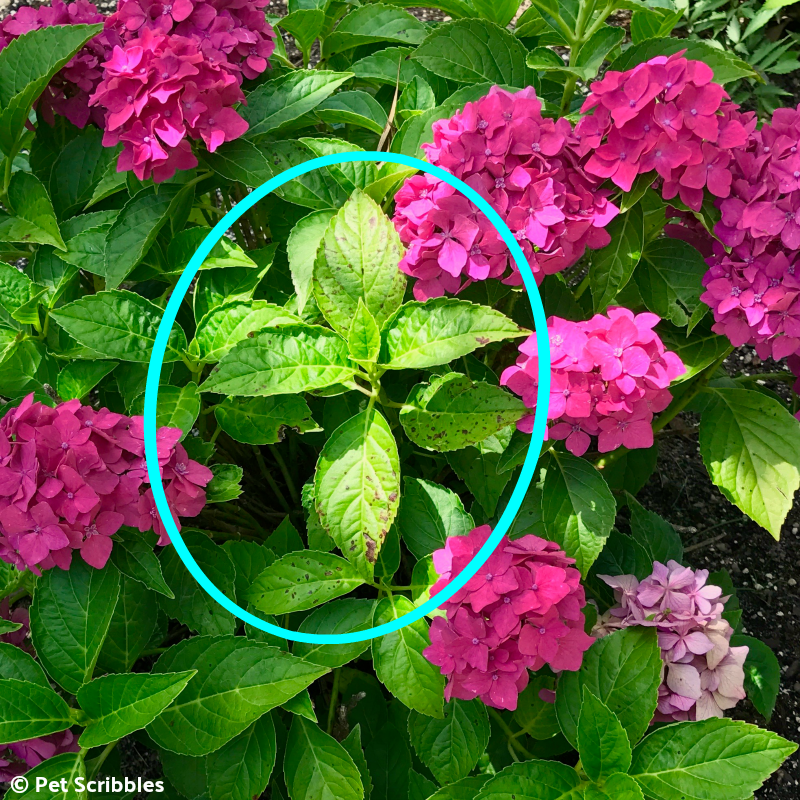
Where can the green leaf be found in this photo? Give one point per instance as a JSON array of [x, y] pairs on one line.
[[416, 97], [224, 253], [136, 228], [117, 705], [29, 710], [578, 508], [240, 769], [26, 66], [192, 606], [428, 514], [381, 68], [34, 220], [353, 108], [602, 742], [133, 556], [454, 412], [217, 287], [284, 539], [132, 626], [302, 246], [595, 50], [25, 366], [669, 279], [478, 469], [389, 759], [620, 556], [618, 787], [364, 338], [419, 787], [286, 360], [226, 483], [533, 780], [317, 766], [60, 771], [305, 21], [623, 670], [233, 322], [276, 103], [373, 23], [613, 265], [78, 378], [420, 335], [500, 13], [357, 260], [647, 24], [631, 471], [299, 581], [16, 664], [399, 663], [70, 615], [762, 674], [340, 616], [697, 351], [466, 789], [238, 680], [712, 759], [750, 445], [352, 743], [118, 324], [450, 747], [725, 65], [654, 533], [16, 287], [475, 51], [357, 487], [250, 560], [535, 716], [178, 407], [264, 420]]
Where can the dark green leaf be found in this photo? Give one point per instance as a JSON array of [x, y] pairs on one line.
[[602, 741], [762, 674], [30, 710]]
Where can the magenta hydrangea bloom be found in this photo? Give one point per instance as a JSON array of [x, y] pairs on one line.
[[531, 171], [609, 376], [520, 611], [17, 758], [702, 674], [71, 477]]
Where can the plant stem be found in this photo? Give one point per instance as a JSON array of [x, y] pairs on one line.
[[582, 287], [334, 699], [286, 474], [98, 762], [510, 734], [271, 481], [767, 376]]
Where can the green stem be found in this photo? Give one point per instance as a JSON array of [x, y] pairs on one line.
[[334, 699], [767, 376], [98, 762], [510, 734], [270, 480], [286, 474], [582, 287]]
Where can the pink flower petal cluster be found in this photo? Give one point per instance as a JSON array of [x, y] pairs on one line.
[[69, 91], [609, 376], [71, 476], [19, 757], [527, 168], [20, 637], [520, 611], [665, 115], [702, 674]]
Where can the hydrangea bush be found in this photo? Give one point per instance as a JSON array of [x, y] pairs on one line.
[[349, 391]]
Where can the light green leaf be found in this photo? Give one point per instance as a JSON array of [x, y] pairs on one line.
[[224, 253], [428, 514], [191, 606], [264, 420], [302, 705], [450, 747], [353, 108], [238, 680], [533, 780], [373, 23], [623, 670], [302, 246], [475, 51], [399, 663], [178, 407], [357, 487], [286, 360], [357, 259], [240, 769], [501, 13], [613, 265], [25, 366], [299, 581], [64, 767], [364, 339], [712, 759], [617, 787], [33, 212], [602, 742], [317, 767], [340, 616], [454, 412], [29, 710], [117, 705], [280, 101], [420, 335], [118, 324], [226, 483], [416, 97], [466, 789], [217, 287], [78, 378], [70, 615], [133, 556], [750, 445], [578, 509]]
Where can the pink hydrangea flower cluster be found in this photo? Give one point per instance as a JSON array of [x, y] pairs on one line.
[[69, 91], [528, 168], [17, 758], [703, 675], [609, 376], [520, 611], [71, 476], [665, 115]]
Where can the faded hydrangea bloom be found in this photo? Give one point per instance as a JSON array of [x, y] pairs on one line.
[[609, 376], [702, 674], [520, 611]]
